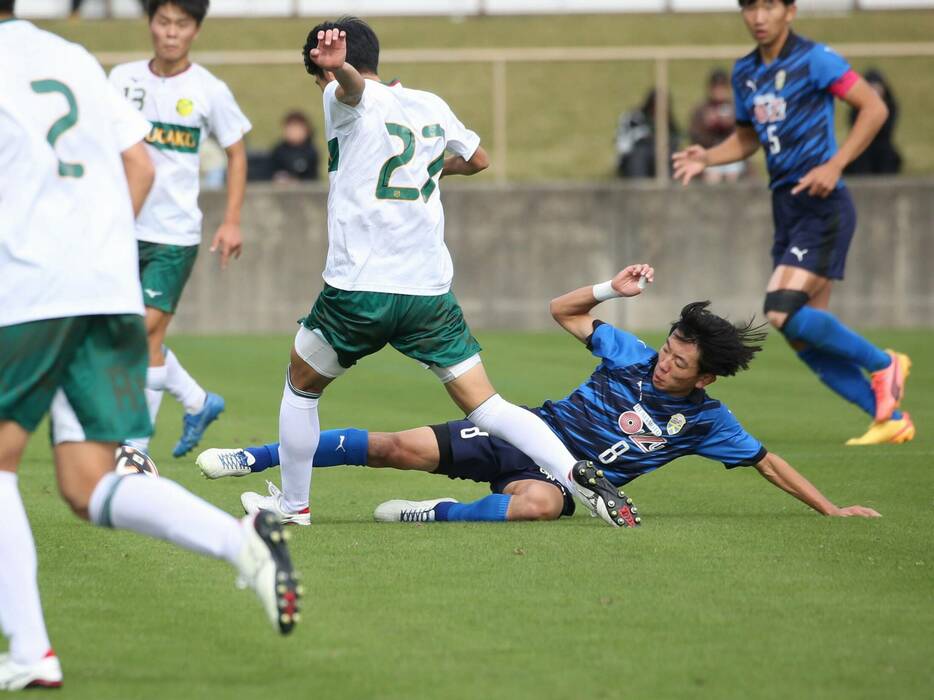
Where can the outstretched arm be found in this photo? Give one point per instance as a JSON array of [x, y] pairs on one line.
[[788, 479], [331, 55], [693, 160], [572, 310]]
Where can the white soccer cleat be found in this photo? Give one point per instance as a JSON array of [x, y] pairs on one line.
[[254, 502], [399, 511], [45, 673], [218, 463], [264, 565]]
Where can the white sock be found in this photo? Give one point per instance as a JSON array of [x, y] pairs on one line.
[[298, 439], [182, 386], [155, 388], [20, 608], [526, 431], [162, 509]]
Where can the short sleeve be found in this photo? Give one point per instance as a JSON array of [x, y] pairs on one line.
[[340, 115], [459, 139], [616, 347], [743, 118], [225, 120], [729, 443], [129, 126], [826, 66]]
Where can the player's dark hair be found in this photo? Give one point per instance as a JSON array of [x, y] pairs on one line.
[[747, 3], [196, 9], [724, 348], [362, 45], [7, 5]]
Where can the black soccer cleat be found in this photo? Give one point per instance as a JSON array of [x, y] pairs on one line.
[[266, 567], [603, 499]]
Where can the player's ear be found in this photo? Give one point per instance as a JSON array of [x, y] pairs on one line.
[[705, 380]]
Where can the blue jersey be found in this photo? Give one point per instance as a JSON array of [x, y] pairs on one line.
[[790, 104], [619, 420]]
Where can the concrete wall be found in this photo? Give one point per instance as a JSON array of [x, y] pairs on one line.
[[517, 246]]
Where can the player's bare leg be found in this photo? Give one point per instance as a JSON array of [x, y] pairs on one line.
[[533, 500], [474, 394], [796, 304]]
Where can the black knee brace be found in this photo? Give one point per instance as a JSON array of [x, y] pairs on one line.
[[786, 301]]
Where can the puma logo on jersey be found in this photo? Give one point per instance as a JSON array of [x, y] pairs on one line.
[[152, 293], [798, 253], [751, 84], [340, 445]]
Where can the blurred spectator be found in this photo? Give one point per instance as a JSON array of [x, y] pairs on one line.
[[76, 8], [635, 139], [712, 121], [295, 156], [880, 157]]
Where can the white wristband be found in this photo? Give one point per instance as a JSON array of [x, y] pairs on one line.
[[604, 291]]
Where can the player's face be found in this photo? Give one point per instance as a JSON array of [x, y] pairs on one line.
[[172, 33], [677, 371], [768, 20]]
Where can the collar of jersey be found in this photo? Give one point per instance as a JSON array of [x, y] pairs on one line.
[[167, 77], [790, 43]]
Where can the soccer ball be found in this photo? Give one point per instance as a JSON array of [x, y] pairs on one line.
[[133, 461]]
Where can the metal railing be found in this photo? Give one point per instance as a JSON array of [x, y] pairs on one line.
[[499, 59]]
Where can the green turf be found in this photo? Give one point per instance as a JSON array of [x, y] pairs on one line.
[[562, 117], [731, 589]]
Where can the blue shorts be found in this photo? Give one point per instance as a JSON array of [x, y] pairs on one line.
[[469, 453], [811, 232]]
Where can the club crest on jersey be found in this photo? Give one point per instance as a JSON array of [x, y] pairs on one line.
[[184, 107], [675, 424], [174, 137], [780, 79], [769, 108]]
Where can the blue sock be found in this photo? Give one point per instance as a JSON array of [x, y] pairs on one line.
[[845, 378], [491, 508], [342, 446], [265, 455], [823, 331], [335, 447]]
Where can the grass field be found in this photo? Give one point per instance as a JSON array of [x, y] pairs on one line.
[[731, 589], [570, 108]]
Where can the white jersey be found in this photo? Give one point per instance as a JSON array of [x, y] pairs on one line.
[[66, 220], [385, 219], [183, 109]]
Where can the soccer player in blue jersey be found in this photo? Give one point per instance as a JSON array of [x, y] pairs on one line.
[[638, 410], [784, 92]]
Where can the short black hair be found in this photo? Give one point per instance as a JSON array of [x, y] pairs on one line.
[[747, 3], [197, 9], [724, 348], [7, 5], [362, 45]]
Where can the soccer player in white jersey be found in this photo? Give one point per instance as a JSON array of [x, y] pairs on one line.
[[73, 170], [388, 273], [184, 102]]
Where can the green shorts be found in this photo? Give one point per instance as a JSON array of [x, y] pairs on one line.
[[163, 272], [431, 330], [98, 361]]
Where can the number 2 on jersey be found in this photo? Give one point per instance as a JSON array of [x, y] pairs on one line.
[[384, 190], [62, 124]]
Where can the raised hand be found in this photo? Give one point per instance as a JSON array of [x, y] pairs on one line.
[[689, 163], [626, 281], [331, 51]]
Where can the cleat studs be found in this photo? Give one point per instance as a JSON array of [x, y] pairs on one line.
[[296, 618], [621, 493], [633, 510], [614, 513], [592, 481], [611, 504], [299, 590], [581, 471], [281, 588], [620, 521], [638, 520], [281, 576], [628, 501], [285, 618], [600, 473], [275, 535], [286, 535]]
